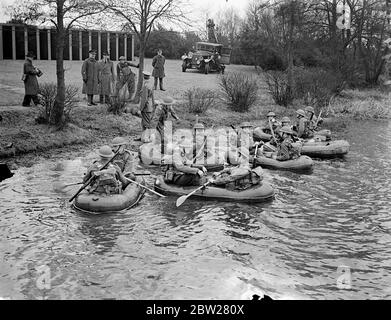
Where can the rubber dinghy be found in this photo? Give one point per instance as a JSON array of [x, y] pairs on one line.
[[262, 192], [325, 149], [303, 163], [102, 203]]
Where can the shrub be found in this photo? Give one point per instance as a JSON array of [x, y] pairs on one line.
[[116, 104], [199, 100], [47, 96], [316, 86], [240, 90], [277, 83]]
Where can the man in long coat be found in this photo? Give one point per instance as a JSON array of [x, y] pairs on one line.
[[30, 80], [89, 72], [106, 78], [158, 69]]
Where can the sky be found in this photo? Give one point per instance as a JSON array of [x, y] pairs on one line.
[[200, 8]]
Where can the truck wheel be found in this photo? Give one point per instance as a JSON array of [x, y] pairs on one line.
[[207, 68]]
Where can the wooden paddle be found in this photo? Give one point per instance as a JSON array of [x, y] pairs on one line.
[[92, 178], [317, 120], [271, 129], [146, 188], [182, 199]]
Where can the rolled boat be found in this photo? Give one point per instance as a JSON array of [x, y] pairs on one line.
[[102, 203], [303, 163], [260, 193], [325, 149]]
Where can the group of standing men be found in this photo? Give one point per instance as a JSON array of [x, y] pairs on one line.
[[99, 77]]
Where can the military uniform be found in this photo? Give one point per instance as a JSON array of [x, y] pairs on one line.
[[106, 78], [239, 178], [182, 172], [31, 86], [147, 107], [125, 76], [107, 181], [158, 70]]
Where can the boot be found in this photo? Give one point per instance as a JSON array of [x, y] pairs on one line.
[[89, 103]]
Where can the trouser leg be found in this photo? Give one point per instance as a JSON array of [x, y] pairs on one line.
[[26, 100], [131, 87], [89, 99], [107, 98], [161, 83], [35, 99], [155, 83], [101, 98]]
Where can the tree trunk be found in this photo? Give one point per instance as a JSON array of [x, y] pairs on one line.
[[57, 114], [290, 49], [140, 71]]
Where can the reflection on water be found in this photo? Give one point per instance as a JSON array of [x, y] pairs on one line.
[[321, 231]]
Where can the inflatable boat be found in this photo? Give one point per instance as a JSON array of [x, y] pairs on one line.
[[260, 193], [325, 149], [303, 163]]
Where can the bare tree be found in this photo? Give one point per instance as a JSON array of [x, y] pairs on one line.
[[63, 14], [140, 16]]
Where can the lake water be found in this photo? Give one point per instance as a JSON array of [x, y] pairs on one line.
[[325, 236]]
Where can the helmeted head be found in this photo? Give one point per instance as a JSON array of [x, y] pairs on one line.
[[118, 141], [271, 116], [105, 152], [300, 113], [159, 51], [199, 127], [105, 54], [122, 59], [286, 131], [285, 121], [168, 101], [310, 110], [146, 75]]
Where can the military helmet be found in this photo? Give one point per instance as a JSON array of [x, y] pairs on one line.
[[105, 152], [300, 112], [285, 119], [199, 126], [246, 125], [286, 129], [309, 109], [118, 141], [271, 114]]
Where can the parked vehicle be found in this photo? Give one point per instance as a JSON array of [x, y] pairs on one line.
[[208, 57]]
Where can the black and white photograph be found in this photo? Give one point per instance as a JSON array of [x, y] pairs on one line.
[[195, 150]]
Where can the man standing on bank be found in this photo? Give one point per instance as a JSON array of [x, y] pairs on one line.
[[147, 103], [106, 78], [89, 72], [30, 80], [158, 69], [125, 76]]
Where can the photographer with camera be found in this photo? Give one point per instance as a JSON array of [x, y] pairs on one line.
[[30, 74]]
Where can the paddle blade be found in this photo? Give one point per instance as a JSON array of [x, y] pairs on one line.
[[180, 201]]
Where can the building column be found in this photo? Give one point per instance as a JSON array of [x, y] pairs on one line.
[[70, 45], [80, 45], [13, 43], [116, 46], [99, 45], [132, 47], [26, 41], [126, 46], [38, 45], [89, 41], [49, 45], [1, 43], [108, 42]]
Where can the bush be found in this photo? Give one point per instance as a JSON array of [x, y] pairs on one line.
[[47, 96], [277, 83], [116, 104], [240, 90], [199, 100], [316, 86]]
